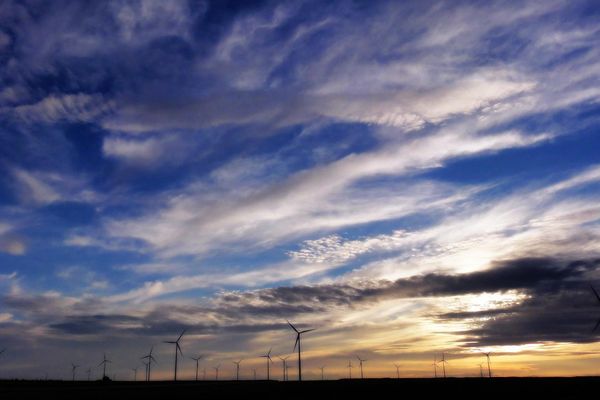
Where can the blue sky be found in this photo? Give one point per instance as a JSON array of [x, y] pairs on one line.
[[171, 164]]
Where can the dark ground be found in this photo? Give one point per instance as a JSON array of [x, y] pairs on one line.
[[368, 389]]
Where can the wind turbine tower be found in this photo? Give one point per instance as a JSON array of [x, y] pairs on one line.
[[237, 369], [103, 363], [487, 355], [297, 344], [177, 349], [360, 361], [269, 361]]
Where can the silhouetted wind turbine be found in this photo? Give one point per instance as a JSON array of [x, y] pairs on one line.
[[444, 362], [197, 359], [103, 363], [177, 349], [269, 360], [89, 373], [217, 372], [237, 369], [322, 372], [397, 370], [74, 368], [434, 366], [360, 360], [146, 375], [480, 370], [284, 363], [204, 374], [134, 373], [487, 355], [297, 344], [254, 371], [350, 369], [149, 364]]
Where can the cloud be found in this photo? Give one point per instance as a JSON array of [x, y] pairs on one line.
[[302, 203], [10, 242], [57, 108]]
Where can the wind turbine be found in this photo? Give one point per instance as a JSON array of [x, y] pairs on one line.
[[217, 372], [360, 360], [350, 368], [444, 362], [269, 360], [89, 373], [254, 371], [480, 370], [284, 362], [434, 366], [487, 355], [177, 349], [74, 367], [237, 369], [149, 364], [397, 370], [197, 359], [297, 344], [134, 373], [322, 372], [204, 374], [103, 363], [146, 365]]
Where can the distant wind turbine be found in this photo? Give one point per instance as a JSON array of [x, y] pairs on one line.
[[217, 372], [435, 366], [297, 344], [74, 368], [197, 359], [322, 372], [350, 369], [177, 349], [360, 361], [284, 364], [237, 369], [204, 374], [103, 363], [89, 373], [150, 358], [480, 370], [146, 375], [397, 370], [487, 355], [254, 371], [444, 362], [269, 361], [134, 373]]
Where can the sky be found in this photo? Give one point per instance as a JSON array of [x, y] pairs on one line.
[[408, 178]]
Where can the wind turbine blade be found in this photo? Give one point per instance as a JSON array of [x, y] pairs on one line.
[[179, 338], [179, 348], [292, 326], [297, 340], [595, 293], [169, 342], [596, 327], [307, 330]]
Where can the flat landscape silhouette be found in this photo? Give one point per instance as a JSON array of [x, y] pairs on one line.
[[463, 388]]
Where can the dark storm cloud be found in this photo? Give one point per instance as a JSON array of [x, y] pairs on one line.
[[541, 274], [559, 307]]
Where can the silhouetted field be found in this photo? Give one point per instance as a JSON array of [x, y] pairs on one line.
[[368, 389]]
